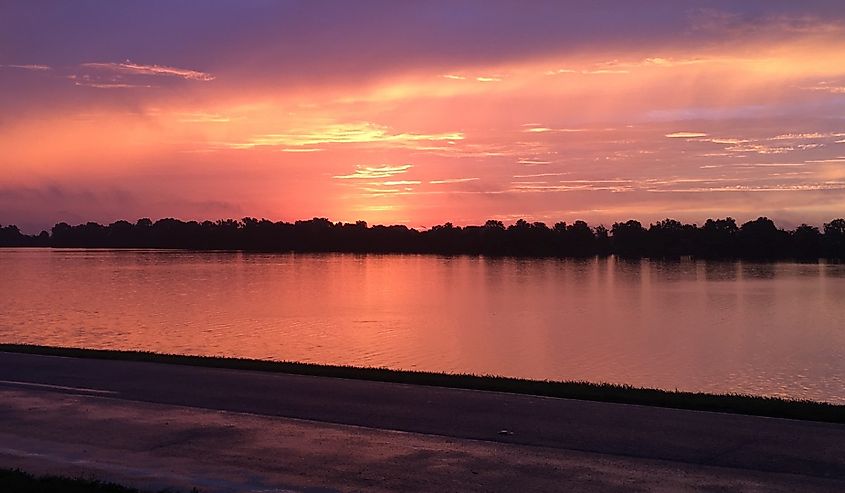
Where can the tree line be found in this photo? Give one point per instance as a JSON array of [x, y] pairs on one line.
[[716, 238]]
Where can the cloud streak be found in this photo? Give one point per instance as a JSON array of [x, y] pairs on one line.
[[363, 172], [341, 133], [33, 67], [87, 81], [131, 68], [448, 181]]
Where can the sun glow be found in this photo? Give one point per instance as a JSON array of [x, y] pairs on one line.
[[605, 125]]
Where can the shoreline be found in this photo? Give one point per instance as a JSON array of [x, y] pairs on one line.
[[744, 404], [675, 258]]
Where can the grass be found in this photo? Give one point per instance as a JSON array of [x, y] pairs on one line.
[[601, 392], [17, 481]]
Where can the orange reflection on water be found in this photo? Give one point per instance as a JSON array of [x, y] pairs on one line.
[[773, 329]]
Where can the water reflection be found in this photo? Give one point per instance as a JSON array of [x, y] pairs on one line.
[[672, 270], [715, 270], [758, 270], [710, 326]]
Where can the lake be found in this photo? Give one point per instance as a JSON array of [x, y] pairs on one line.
[[767, 329]]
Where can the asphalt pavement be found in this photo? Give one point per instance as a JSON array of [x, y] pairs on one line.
[[106, 418]]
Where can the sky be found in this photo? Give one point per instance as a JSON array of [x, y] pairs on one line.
[[421, 112]]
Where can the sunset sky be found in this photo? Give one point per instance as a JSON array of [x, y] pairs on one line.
[[421, 112]]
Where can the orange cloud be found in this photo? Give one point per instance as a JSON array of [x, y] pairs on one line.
[[370, 172], [698, 119], [685, 135]]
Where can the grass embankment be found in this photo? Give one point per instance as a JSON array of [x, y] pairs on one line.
[[17, 481], [602, 392]]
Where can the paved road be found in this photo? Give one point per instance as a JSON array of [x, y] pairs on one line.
[[610, 441]]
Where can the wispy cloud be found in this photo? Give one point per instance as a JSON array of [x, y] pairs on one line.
[[375, 192], [129, 75], [109, 85], [341, 133], [561, 71], [805, 136], [396, 183], [828, 88], [655, 61], [88, 81], [760, 149], [626, 66], [34, 67], [774, 182], [538, 175], [758, 188], [593, 71], [572, 186], [686, 135], [540, 130], [302, 149], [479, 78], [774, 165], [605, 71], [725, 140], [451, 180], [128, 67], [363, 172]]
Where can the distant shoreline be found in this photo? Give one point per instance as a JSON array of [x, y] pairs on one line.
[[682, 258], [715, 239], [601, 392]]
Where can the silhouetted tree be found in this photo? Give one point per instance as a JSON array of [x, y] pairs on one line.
[[834, 239], [602, 243], [628, 239], [669, 238], [11, 236], [717, 239], [580, 240], [493, 238], [806, 242], [761, 239]]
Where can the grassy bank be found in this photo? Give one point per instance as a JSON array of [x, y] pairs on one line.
[[16, 481], [603, 392]]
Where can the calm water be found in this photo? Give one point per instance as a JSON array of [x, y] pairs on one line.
[[773, 329]]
